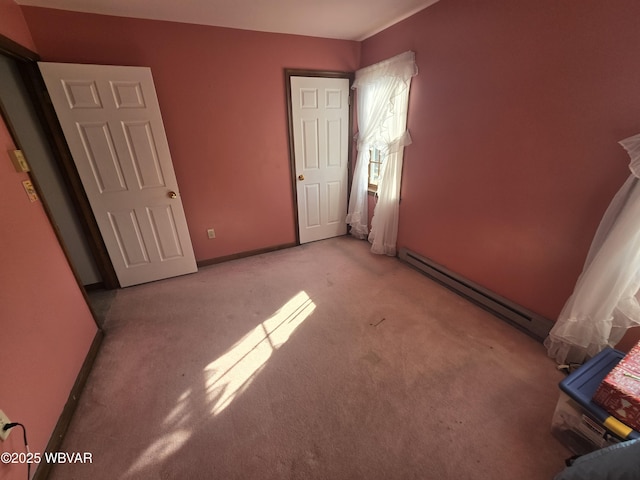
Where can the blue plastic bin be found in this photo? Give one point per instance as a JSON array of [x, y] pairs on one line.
[[582, 384]]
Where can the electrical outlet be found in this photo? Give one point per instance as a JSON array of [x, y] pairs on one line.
[[3, 421], [211, 233]]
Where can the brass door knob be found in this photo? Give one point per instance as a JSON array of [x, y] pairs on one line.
[[300, 177], [173, 195]]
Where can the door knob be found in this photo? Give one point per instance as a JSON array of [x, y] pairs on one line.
[[300, 177], [173, 195]]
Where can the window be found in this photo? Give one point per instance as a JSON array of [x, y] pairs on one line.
[[383, 101], [375, 165]]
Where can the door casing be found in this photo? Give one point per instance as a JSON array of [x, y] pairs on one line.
[[27, 65]]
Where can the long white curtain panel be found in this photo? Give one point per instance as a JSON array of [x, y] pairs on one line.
[[604, 304], [382, 104]]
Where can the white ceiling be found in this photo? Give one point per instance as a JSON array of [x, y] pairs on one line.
[[343, 19]]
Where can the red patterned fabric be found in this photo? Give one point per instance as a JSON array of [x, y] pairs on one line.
[[619, 392]]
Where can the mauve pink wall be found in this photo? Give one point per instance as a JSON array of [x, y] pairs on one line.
[[222, 97], [515, 118], [45, 322], [12, 24]]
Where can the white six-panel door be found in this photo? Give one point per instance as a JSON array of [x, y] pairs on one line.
[[320, 119], [111, 120]]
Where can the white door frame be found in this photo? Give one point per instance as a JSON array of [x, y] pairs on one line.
[[294, 180]]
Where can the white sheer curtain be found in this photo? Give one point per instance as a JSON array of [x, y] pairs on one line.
[[382, 104], [604, 304]]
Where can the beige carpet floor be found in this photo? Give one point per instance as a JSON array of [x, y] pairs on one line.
[[322, 361]]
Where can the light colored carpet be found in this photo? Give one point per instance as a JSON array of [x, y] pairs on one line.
[[322, 361]]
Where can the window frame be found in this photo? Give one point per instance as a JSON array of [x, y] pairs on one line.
[[375, 158]]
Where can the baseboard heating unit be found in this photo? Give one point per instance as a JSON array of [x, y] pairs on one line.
[[531, 323]]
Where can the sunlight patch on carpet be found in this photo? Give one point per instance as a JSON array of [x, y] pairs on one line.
[[233, 372], [229, 375], [162, 448]]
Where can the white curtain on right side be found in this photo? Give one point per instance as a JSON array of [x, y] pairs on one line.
[[382, 103], [604, 304]]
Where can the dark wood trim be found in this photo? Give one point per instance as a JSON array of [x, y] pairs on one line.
[[34, 84], [14, 50], [288, 73], [95, 286], [55, 441], [250, 253], [296, 72], [292, 158]]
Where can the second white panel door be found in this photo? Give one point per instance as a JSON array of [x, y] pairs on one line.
[[320, 110]]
